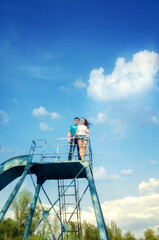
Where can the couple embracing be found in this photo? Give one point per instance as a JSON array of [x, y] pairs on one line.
[[78, 136]]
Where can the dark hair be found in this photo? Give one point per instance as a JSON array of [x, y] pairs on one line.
[[86, 123], [76, 118]]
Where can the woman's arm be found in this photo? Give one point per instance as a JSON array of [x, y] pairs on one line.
[[76, 133]]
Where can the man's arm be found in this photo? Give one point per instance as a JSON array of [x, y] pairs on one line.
[[69, 136]]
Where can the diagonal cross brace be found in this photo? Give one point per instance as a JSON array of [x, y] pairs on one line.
[[14, 192], [40, 182]]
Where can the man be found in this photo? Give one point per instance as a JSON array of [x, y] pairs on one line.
[[73, 142]]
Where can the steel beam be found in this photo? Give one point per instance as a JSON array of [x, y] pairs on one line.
[[96, 204]]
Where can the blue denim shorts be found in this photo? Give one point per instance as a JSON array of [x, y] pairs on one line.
[[82, 137]]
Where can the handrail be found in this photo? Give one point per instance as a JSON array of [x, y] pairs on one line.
[[58, 149]]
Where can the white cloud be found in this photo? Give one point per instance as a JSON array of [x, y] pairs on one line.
[[49, 55], [126, 172], [149, 187], [127, 78], [100, 118], [114, 177], [8, 152], [41, 112], [62, 88], [119, 128], [117, 125], [6, 149], [153, 162], [155, 120], [54, 115], [15, 100], [4, 118], [79, 84], [42, 72], [134, 214], [102, 138], [99, 173], [44, 127]]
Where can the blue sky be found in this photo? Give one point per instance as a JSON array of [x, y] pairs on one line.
[[97, 59]]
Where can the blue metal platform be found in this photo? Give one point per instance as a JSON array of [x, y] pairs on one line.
[[14, 167]]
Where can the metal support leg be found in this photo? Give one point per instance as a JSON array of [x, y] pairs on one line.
[[39, 184], [97, 208], [14, 192]]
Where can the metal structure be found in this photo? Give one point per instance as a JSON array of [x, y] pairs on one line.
[[67, 203], [47, 160]]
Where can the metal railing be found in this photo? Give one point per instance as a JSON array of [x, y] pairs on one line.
[[57, 149]]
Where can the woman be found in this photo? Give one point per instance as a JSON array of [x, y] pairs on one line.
[[82, 135]]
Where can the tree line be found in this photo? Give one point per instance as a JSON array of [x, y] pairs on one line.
[[14, 228]]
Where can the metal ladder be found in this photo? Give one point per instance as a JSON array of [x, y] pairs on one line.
[[67, 203]]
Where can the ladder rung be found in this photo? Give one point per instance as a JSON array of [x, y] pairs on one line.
[[70, 204], [69, 194], [69, 213], [66, 186]]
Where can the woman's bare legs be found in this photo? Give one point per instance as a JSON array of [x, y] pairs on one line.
[[82, 148]]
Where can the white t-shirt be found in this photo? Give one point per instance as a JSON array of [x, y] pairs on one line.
[[82, 130]]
